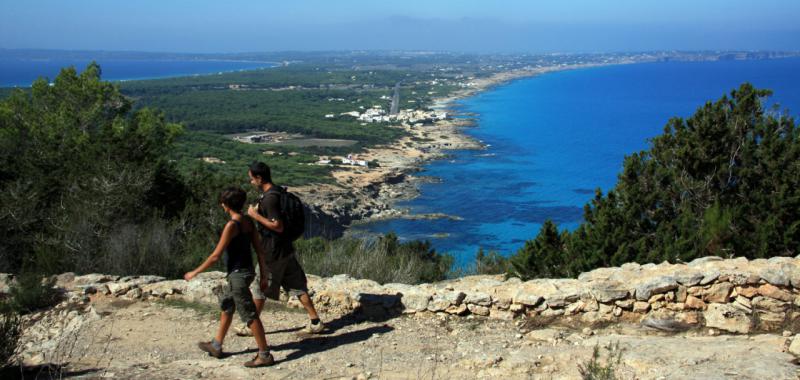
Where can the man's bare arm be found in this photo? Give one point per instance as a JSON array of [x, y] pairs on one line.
[[272, 224]]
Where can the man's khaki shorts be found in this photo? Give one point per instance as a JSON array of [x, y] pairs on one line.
[[284, 273], [255, 287]]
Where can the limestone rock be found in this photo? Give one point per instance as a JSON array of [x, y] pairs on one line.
[[688, 278], [501, 314], [738, 277], [655, 286], [770, 321], [608, 292], [681, 293], [549, 335], [709, 278], [640, 307], [525, 298], [478, 298], [415, 301], [93, 278], [772, 291], [693, 302], [457, 310], [747, 291], [625, 304], [118, 288], [478, 309], [728, 318], [743, 303], [704, 260], [794, 347], [718, 292], [441, 301], [780, 276], [770, 304]]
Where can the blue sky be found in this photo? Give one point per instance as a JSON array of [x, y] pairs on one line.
[[473, 26]]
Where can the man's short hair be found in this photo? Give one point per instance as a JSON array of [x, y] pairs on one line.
[[260, 169], [234, 198]]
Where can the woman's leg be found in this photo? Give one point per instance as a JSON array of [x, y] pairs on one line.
[[224, 323], [258, 332]]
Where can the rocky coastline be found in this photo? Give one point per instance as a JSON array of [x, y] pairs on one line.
[[361, 195]]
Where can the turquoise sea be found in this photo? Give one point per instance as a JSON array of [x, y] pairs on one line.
[[553, 139], [22, 72]]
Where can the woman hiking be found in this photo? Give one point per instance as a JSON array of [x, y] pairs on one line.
[[237, 237]]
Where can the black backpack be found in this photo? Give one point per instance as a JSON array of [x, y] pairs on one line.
[[292, 213]]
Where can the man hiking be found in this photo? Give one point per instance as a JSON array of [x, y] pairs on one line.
[[282, 268]]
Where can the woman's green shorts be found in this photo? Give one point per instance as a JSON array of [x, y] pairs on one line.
[[236, 295]]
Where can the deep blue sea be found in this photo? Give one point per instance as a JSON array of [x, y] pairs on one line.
[[22, 72], [554, 138]]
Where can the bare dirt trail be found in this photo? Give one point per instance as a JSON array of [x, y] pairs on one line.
[[130, 339]]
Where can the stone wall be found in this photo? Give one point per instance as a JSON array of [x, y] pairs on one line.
[[735, 295]]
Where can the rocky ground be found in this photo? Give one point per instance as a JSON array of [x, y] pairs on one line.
[[133, 339], [710, 318]]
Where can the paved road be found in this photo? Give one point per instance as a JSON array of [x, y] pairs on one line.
[[395, 100]]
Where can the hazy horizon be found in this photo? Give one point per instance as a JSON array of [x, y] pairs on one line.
[[578, 26]]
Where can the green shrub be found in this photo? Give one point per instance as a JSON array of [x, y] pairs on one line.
[[9, 335], [598, 368], [492, 263], [31, 292], [384, 260]]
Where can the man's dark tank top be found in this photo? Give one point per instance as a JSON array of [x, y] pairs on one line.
[[238, 254]]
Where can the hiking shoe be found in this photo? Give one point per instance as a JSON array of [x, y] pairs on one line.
[[313, 329], [208, 347], [260, 361], [242, 330]]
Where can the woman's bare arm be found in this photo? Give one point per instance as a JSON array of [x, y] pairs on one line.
[[224, 240]]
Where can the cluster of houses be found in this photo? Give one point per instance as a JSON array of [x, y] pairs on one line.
[[349, 160], [376, 114]]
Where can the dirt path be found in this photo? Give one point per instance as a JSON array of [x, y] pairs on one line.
[[157, 340]]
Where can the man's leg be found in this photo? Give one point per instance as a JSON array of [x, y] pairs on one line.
[[259, 305], [308, 305], [296, 283]]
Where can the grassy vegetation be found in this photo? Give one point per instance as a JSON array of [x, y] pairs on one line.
[[384, 260], [30, 293], [599, 368], [292, 170], [10, 331], [201, 308]]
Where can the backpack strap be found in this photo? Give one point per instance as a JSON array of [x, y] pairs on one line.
[[274, 189]]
